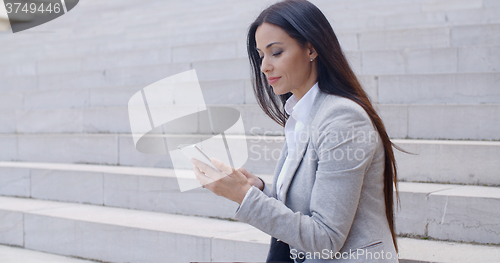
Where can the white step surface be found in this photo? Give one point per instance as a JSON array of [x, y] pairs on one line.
[[481, 23], [441, 121], [116, 120], [21, 255], [359, 16], [455, 62], [458, 162], [401, 61], [112, 234], [149, 189], [430, 61], [121, 235], [116, 91], [438, 37], [435, 37], [407, 121], [446, 252], [473, 88], [444, 161], [383, 89], [450, 212], [442, 211], [452, 15], [113, 149], [236, 92]]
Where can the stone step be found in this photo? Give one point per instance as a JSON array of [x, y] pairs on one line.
[[432, 38], [411, 121], [365, 20], [449, 212], [138, 188], [236, 92], [473, 88], [442, 211], [366, 16], [116, 120], [122, 235], [441, 121], [109, 43], [374, 40], [362, 15], [13, 254], [439, 161], [453, 70], [119, 149], [445, 161], [456, 88], [449, 60], [24, 93], [421, 34], [351, 20], [419, 251], [427, 62], [360, 9], [113, 235], [386, 7]]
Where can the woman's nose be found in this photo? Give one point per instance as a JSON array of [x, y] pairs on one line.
[[265, 66]]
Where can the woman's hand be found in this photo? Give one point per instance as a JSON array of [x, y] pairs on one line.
[[252, 178], [229, 183]]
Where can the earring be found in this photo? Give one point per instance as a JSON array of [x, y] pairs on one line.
[[312, 59]]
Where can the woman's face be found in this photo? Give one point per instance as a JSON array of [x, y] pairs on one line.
[[287, 66]]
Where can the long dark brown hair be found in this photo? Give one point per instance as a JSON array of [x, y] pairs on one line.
[[304, 22]]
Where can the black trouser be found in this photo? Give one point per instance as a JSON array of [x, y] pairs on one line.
[[279, 252]]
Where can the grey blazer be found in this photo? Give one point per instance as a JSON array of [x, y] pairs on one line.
[[333, 200]]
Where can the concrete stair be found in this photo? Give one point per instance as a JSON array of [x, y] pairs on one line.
[[122, 235], [406, 121], [469, 56], [434, 161], [14, 254], [441, 211], [69, 164]]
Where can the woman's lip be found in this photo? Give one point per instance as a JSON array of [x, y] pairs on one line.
[[273, 80]]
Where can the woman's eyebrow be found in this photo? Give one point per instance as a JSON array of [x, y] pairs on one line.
[[270, 44]]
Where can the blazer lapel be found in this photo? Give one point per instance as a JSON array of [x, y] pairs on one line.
[[279, 166], [300, 148]]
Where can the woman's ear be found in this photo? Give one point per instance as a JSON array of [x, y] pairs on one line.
[[312, 51]]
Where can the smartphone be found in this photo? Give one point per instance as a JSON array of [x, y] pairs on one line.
[[193, 151]]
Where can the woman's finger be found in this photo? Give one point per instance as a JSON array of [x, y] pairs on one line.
[[209, 171], [245, 172], [202, 178], [225, 168]]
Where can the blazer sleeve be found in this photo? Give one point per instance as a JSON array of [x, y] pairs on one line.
[[336, 190], [267, 190]]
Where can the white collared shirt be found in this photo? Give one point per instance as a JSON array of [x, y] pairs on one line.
[[299, 113]]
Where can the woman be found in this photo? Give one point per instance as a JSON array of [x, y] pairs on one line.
[[333, 185]]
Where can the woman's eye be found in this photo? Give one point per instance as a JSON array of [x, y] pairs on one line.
[[275, 54]]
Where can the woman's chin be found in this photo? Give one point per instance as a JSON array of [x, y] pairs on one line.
[[278, 91]]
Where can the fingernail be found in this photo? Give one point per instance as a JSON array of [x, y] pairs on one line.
[[215, 161]]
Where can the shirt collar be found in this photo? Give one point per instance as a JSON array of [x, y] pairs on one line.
[[300, 109]]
